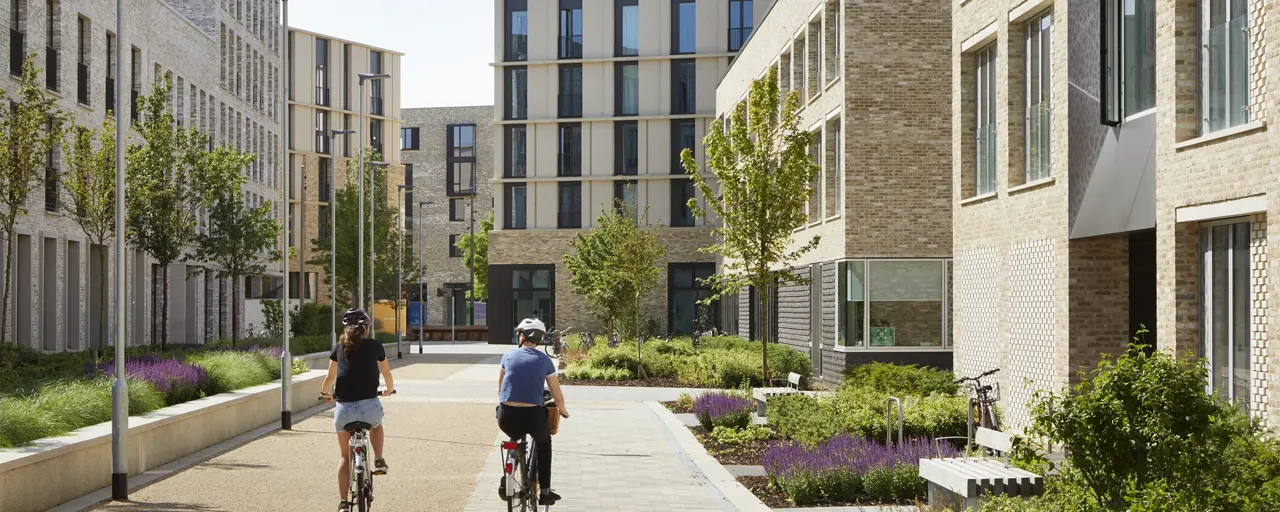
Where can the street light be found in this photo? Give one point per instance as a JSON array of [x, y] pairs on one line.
[[422, 299], [373, 248], [120, 387], [286, 359], [400, 265], [360, 245], [333, 241]]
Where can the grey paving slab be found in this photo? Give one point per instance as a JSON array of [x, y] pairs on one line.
[[738, 471]]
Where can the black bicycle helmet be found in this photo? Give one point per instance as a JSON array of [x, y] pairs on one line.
[[355, 316]]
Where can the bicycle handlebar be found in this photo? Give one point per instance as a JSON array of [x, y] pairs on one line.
[[975, 379], [323, 397]]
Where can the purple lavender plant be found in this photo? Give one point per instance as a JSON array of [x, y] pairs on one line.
[[176, 380], [848, 468], [722, 409]]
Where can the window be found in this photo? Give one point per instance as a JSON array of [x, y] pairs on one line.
[[454, 251], [515, 217], [985, 121], [1225, 271], [684, 76], [741, 22], [570, 210], [683, 136], [570, 99], [322, 72], [375, 86], [346, 139], [833, 168], [627, 148], [82, 63], [408, 200], [569, 152], [112, 73], [461, 156], [571, 29], [626, 196], [1128, 58], [375, 136], [409, 139], [681, 192], [517, 18], [893, 303], [1039, 107], [1224, 29], [686, 287], [324, 221], [458, 209], [517, 91], [815, 183], [831, 34], [326, 186], [322, 132], [626, 28], [515, 141], [533, 294], [50, 176], [684, 23], [17, 35], [851, 303], [51, 52], [346, 77], [627, 88]]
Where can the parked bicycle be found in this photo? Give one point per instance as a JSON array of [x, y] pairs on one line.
[[588, 340], [554, 346], [361, 492], [519, 485], [986, 396]]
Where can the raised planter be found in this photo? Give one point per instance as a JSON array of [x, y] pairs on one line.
[[59, 469]]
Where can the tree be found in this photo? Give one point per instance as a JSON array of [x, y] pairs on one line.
[[614, 266], [239, 239], [386, 239], [32, 126], [172, 175], [762, 172], [90, 199], [478, 261]]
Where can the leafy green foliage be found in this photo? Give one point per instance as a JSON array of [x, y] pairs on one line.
[[477, 262], [614, 265], [751, 435], [90, 197], [314, 319], [65, 406], [587, 371], [726, 362], [762, 172], [860, 411], [229, 371], [898, 379], [273, 318], [684, 402]]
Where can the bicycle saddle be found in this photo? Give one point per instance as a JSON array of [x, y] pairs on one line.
[[357, 426]]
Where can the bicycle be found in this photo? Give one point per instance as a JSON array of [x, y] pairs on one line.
[[556, 346], [361, 482], [588, 341], [520, 471], [986, 395]]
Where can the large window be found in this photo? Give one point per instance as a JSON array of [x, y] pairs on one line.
[[533, 294], [985, 121], [82, 63], [458, 209], [326, 186], [626, 76], [375, 86], [626, 148], [1039, 106], [681, 192], [741, 22], [893, 303], [1225, 272], [570, 98], [569, 153], [686, 287], [1128, 58], [515, 142], [684, 23], [571, 29], [1224, 29], [454, 250], [322, 72], [322, 131], [626, 28], [517, 91], [409, 138], [515, 216], [461, 156], [517, 40], [17, 35], [570, 206], [683, 136], [684, 76], [375, 135]]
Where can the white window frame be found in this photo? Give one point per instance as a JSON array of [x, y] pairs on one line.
[[1206, 71], [1041, 25], [866, 307], [1206, 308], [986, 112]]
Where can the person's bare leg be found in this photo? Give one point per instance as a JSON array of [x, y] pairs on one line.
[[344, 469], [375, 438]]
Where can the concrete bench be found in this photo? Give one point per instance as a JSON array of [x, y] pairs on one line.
[[960, 482], [762, 395]]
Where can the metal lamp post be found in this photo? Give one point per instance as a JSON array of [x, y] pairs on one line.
[[286, 359], [120, 387], [360, 245], [400, 265], [333, 242], [422, 299], [471, 247]]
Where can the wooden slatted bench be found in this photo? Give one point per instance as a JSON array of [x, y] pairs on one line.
[[961, 482], [762, 395]]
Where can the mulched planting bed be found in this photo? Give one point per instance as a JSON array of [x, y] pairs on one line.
[[673, 407], [774, 498], [731, 455], [636, 383]]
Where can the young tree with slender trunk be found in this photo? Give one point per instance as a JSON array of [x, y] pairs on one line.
[[475, 256], [32, 127], [762, 174], [239, 239], [90, 199], [614, 266], [171, 176]]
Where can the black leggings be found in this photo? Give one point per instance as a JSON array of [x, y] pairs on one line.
[[516, 422]]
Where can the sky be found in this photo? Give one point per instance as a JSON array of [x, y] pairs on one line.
[[447, 44]]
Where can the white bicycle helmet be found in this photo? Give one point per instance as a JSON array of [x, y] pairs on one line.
[[532, 328]]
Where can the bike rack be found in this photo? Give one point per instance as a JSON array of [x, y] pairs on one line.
[[888, 421]]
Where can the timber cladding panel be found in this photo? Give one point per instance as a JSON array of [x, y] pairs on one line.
[[794, 309]]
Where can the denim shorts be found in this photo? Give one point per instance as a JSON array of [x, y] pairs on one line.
[[368, 411]]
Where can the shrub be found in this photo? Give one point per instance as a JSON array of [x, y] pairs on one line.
[[847, 468], [178, 381], [684, 402], [861, 412], [899, 380], [313, 319], [229, 371], [742, 436], [586, 371], [723, 410], [723, 362]]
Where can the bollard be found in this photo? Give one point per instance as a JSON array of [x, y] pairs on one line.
[[888, 421]]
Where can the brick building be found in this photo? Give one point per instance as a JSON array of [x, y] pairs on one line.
[[873, 81], [448, 157], [224, 58], [1119, 181]]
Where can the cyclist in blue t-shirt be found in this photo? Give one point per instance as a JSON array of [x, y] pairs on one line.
[[520, 386]]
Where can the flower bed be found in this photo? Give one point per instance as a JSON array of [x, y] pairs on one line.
[[738, 447], [723, 410], [725, 362], [850, 469]]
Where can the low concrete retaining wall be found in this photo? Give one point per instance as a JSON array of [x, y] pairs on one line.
[[320, 360], [56, 470]]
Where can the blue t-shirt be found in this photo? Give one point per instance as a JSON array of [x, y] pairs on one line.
[[526, 370]]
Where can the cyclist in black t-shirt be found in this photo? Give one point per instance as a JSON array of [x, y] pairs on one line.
[[354, 366]]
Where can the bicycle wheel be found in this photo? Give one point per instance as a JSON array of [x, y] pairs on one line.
[[530, 503], [513, 495], [362, 497]]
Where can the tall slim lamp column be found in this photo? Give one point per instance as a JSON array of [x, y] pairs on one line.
[[400, 265], [120, 386], [360, 245], [286, 359], [422, 263]]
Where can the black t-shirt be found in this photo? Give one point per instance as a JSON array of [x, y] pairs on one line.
[[358, 373]]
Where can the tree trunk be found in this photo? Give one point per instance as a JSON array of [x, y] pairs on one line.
[[102, 304], [164, 308], [8, 284], [235, 313], [765, 317]]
